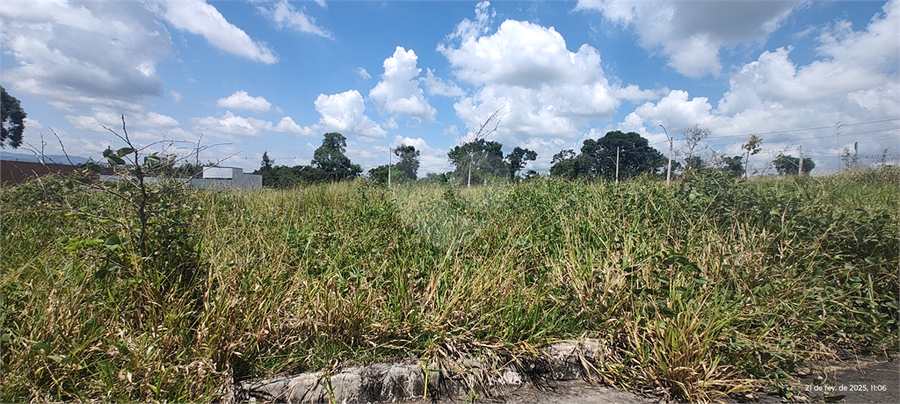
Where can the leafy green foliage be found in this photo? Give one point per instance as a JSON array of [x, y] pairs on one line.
[[598, 158], [851, 161], [330, 159], [12, 120], [409, 160], [329, 164], [635, 155], [566, 164], [478, 161], [283, 177], [267, 171], [790, 165], [733, 165], [128, 252], [438, 178], [710, 286], [517, 160], [694, 163], [751, 148], [380, 175]]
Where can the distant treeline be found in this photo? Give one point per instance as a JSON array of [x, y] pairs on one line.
[[615, 156]]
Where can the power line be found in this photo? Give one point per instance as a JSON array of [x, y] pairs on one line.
[[844, 135], [805, 129], [814, 136]]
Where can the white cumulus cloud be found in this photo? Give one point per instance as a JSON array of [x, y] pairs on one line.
[[242, 100], [438, 86], [527, 71], [398, 92], [155, 120], [199, 17], [345, 113], [288, 125], [690, 34], [55, 46], [283, 14], [231, 126], [855, 80]]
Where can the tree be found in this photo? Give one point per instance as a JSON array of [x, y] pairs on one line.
[[563, 155], [330, 158], [439, 178], [851, 161], [751, 148], [478, 160], [266, 163], [598, 158], [409, 160], [694, 138], [733, 165], [566, 164], [12, 124], [517, 159], [380, 174], [635, 155], [269, 175], [790, 165], [694, 163], [478, 151]]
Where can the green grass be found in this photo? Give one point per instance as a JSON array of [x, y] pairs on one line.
[[701, 288]]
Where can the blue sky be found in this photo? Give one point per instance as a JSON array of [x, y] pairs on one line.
[[256, 76]]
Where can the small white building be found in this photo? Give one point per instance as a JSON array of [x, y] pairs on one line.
[[227, 177], [212, 177]]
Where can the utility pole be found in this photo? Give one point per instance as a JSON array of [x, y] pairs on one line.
[[800, 172], [837, 137], [198, 150], [389, 166], [471, 161], [669, 171], [617, 164]]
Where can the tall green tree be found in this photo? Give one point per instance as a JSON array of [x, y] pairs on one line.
[[636, 156], [439, 178], [380, 174], [598, 158], [567, 164], [478, 160], [790, 165], [409, 161], [330, 158], [269, 177], [12, 124], [733, 165], [694, 163], [516, 160]]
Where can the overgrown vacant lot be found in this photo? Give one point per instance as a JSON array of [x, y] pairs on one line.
[[700, 288]]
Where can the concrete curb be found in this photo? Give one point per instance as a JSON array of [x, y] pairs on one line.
[[383, 382]]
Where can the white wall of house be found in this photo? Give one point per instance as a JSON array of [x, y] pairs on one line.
[[213, 177], [227, 177]]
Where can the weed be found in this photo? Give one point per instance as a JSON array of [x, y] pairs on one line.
[[706, 288]]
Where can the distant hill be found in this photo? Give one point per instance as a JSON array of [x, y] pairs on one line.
[[54, 158]]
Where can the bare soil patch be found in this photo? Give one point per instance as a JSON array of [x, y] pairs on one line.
[[860, 380], [857, 380]]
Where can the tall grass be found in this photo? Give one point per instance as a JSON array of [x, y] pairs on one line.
[[699, 289]]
